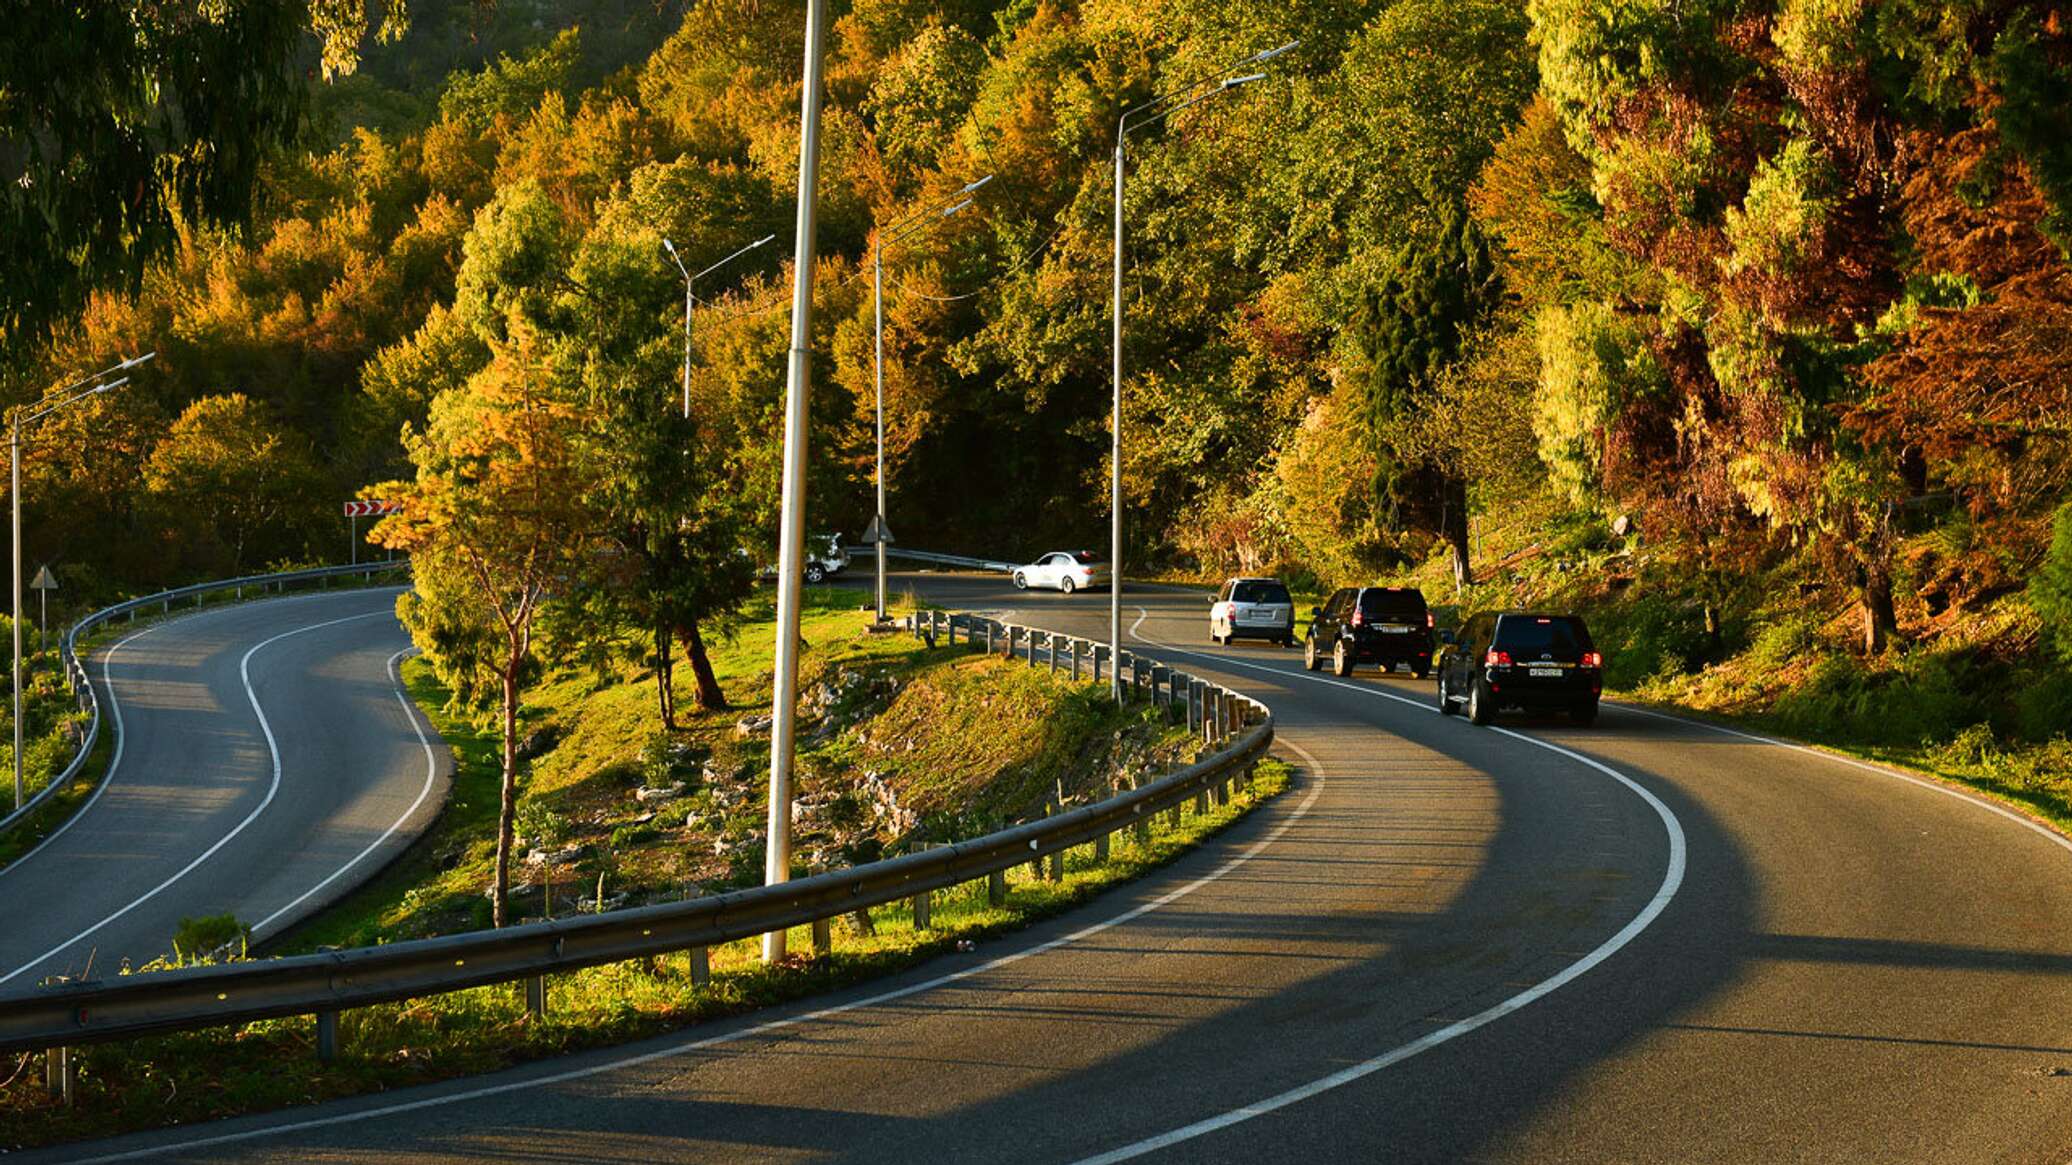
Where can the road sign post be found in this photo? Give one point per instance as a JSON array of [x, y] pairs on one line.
[[43, 584], [354, 511]]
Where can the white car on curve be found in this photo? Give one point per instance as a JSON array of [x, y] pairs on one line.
[[1063, 570]]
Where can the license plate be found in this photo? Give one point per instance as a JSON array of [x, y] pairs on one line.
[[1550, 673], [1396, 628]]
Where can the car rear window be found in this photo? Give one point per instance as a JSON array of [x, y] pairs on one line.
[[1259, 592], [1376, 603], [1087, 557], [1564, 636]]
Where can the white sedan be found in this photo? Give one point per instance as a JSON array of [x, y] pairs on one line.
[[1063, 570]]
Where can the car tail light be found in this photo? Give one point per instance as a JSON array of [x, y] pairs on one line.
[[1359, 619], [1592, 659], [1497, 659], [1429, 624]]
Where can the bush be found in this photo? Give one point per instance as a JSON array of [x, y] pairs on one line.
[[541, 825], [201, 940], [1784, 641], [2050, 588]]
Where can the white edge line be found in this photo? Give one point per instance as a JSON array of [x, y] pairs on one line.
[[108, 778], [431, 780], [244, 670], [1672, 879], [764, 1028]]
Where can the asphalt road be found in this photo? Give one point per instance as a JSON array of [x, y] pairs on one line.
[[266, 764], [1646, 941]]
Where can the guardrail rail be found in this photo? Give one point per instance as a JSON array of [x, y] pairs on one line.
[[82, 683], [1235, 728]]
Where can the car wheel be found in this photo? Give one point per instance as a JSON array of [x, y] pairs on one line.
[[1584, 714], [1310, 658], [815, 573], [1421, 670], [1065, 586], [1445, 697], [1021, 581], [1341, 659], [1480, 708]]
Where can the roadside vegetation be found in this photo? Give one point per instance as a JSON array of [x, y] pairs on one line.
[[902, 745]]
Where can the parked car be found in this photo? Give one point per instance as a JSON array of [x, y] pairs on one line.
[[1063, 570], [1252, 608], [825, 558], [1522, 659], [1384, 625]]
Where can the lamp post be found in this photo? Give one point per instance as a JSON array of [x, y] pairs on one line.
[[78, 391], [1137, 118], [911, 225], [690, 282], [791, 533]]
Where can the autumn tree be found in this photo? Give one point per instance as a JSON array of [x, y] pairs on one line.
[[495, 529], [226, 469]]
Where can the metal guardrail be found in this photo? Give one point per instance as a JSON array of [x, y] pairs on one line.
[[1238, 729], [957, 560], [82, 683]]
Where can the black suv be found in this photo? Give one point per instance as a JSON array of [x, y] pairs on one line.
[[1518, 659], [1384, 625]]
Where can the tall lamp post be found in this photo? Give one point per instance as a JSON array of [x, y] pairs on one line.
[[791, 532], [70, 394], [690, 283], [1151, 111], [913, 224]]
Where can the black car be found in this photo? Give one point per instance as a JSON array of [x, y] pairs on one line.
[[1521, 659], [1384, 625]]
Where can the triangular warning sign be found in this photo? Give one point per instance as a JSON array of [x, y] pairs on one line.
[[878, 531], [44, 580]]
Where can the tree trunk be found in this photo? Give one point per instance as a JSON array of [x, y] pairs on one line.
[[710, 697], [507, 813], [1879, 619], [1456, 532], [665, 676]]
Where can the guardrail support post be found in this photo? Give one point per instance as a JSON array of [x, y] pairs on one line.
[[996, 888], [327, 1037], [1072, 656], [60, 1073], [1052, 641], [701, 967], [823, 938], [1096, 652], [536, 995], [989, 637], [923, 902]]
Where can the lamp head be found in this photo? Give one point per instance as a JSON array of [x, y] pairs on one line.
[[668, 246], [1268, 54], [761, 241], [971, 186], [101, 388], [133, 361], [1247, 79], [950, 210]]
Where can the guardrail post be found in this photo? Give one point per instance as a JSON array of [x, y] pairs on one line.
[[1072, 657], [535, 996], [823, 938], [1051, 641], [1096, 651], [950, 636], [701, 967], [60, 1074], [1013, 633], [327, 1037], [989, 636], [996, 888]]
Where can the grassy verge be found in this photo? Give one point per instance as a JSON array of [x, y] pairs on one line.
[[901, 744], [196, 1076], [1966, 696]]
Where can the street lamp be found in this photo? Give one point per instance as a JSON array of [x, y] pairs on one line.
[[78, 391], [1137, 118], [690, 282], [911, 225]]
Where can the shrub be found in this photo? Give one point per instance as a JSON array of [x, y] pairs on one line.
[[541, 825], [2050, 588], [200, 940]]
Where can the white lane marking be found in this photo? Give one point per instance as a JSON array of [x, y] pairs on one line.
[[2055, 837], [1135, 912], [431, 775], [244, 671], [1672, 878], [114, 761]]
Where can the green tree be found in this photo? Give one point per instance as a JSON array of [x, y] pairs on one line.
[[226, 470]]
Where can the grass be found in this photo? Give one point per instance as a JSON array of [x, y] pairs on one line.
[[188, 1077], [1967, 698]]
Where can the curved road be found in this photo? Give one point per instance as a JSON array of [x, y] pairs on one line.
[[265, 763], [1647, 941]]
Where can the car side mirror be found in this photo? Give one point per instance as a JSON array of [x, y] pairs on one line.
[[1448, 638], [1315, 612]]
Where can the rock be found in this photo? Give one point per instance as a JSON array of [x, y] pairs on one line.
[[590, 906], [753, 725], [650, 795], [538, 741]]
